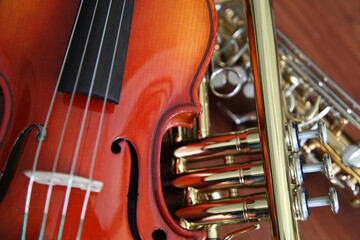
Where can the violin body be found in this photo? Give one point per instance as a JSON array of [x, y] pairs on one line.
[[170, 45]]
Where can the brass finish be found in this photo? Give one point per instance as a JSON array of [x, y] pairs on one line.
[[336, 109], [226, 144], [242, 209], [212, 231], [250, 174], [211, 173], [199, 196], [270, 118], [204, 118]]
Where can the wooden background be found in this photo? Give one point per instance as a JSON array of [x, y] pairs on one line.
[[328, 32]]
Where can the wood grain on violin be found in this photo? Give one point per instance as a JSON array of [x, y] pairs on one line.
[[94, 159]]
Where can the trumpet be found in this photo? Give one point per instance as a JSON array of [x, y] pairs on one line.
[[214, 176]]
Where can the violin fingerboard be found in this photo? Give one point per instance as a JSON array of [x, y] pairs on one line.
[[98, 49]]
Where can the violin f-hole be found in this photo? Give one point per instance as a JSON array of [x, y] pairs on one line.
[[132, 194], [6, 106], [8, 173]]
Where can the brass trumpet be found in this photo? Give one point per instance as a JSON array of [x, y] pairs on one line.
[[256, 172]]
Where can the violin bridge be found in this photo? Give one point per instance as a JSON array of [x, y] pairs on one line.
[[62, 179]]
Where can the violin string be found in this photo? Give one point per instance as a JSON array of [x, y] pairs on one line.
[[81, 131], [86, 199], [43, 132], [51, 183]]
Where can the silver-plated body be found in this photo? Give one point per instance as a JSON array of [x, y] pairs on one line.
[[306, 85], [351, 156], [319, 81], [222, 73]]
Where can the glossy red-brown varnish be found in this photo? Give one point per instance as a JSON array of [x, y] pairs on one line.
[[170, 45]]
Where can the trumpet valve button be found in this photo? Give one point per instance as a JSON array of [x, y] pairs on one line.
[[325, 166], [331, 200], [320, 133], [298, 169], [303, 203], [292, 137]]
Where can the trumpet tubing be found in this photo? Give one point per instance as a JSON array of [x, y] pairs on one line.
[[293, 121]]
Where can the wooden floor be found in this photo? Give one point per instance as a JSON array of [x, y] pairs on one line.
[[327, 31]]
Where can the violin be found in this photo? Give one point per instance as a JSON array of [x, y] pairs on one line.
[[88, 88]]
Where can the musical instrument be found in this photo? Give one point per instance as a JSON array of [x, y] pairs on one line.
[[214, 177], [89, 88], [124, 194]]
